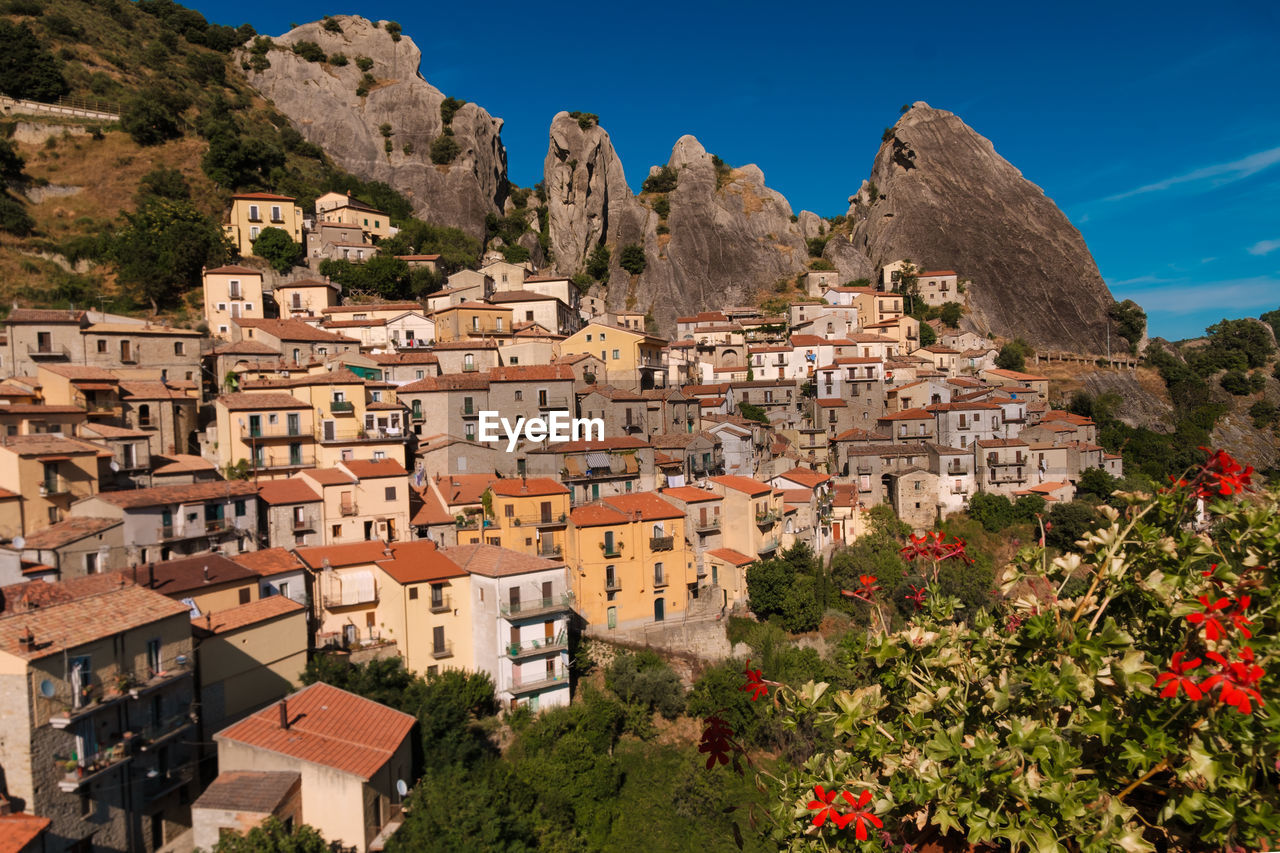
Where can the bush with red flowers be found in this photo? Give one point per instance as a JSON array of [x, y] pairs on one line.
[[1140, 714]]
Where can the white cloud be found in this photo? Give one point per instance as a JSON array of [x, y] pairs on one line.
[[1217, 174], [1264, 247]]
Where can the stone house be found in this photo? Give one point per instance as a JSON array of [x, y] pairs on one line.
[[290, 514], [1003, 465], [305, 298], [163, 410], [909, 425], [38, 336], [78, 546], [961, 424], [50, 473], [144, 350], [596, 469]]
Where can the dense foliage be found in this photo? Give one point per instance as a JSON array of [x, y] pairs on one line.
[[28, 69], [276, 247]]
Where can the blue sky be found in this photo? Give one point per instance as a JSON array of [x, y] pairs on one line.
[[1156, 128]]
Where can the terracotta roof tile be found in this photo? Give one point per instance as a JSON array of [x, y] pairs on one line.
[[431, 512], [596, 515], [244, 401], [690, 494], [269, 561], [262, 610], [17, 831], [743, 484], [44, 315], [351, 554], [731, 556], [805, 477], [291, 491], [649, 505], [255, 791], [370, 469], [47, 444], [180, 463], [329, 727], [179, 493], [71, 529], [515, 487]]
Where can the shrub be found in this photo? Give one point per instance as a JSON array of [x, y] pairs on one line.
[[364, 63], [309, 50], [1130, 320], [14, 218], [276, 247], [331, 25], [515, 253], [27, 68], [585, 120], [993, 512], [632, 259], [662, 181], [928, 337], [816, 245], [1263, 414], [449, 108], [11, 164], [1235, 382], [151, 116], [598, 264], [1013, 355], [338, 60], [393, 28], [662, 206], [950, 314], [165, 183], [642, 678]]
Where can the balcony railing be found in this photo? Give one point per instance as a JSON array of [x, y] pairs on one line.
[[660, 580], [529, 648], [342, 407], [469, 368], [305, 523], [612, 584], [661, 543], [54, 487], [767, 519], [712, 523], [469, 411], [348, 509], [613, 551], [550, 552], [271, 463], [360, 434], [194, 529], [444, 650], [442, 605], [768, 546], [536, 606], [81, 770], [553, 403], [47, 351], [353, 598], [538, 681], [275, 431]]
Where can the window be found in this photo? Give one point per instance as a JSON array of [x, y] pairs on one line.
[[413, 593], [616, 354], [659, 578], [102, 346], [377, 396], [418, 374], [244, 596], [336, 531], [153, 654], [390, 493], [275, 213], [179, 348], [240, 508], [254, 215], [519, 395], [91, 566]]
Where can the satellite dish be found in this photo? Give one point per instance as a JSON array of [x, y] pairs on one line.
[[180, 660], [19, 542], [114, 466], [401, 788], [48, 689]]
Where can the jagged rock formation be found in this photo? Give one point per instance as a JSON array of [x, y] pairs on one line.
[[321, 101], [727, 235], [948, 200]]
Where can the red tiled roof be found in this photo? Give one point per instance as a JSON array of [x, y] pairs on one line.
[[371, 469], [350, 554], [731, 556], [514, 487], [44, 315], [290, 491], [907, 415], [234, 269], [243, 401], [17, 831], [419, 561], [180, 493], [269, 561], [328, 476], [650, 506], [743, 484], [805, 477], [464, 488], [431, 512], [70, 529], [268, 196], [492, 561], [690, 494], [596, 515], [245, 615], [329, 727]]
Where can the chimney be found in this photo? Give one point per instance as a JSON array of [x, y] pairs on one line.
[[206, 574], [284, 714], [27, 641], [151, 575]]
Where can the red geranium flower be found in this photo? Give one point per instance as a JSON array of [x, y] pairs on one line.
[[755, 685], [1236, 680], [1213, 628], [1222, 475], [867, 588], [1176, 679], [717, 741], [860, 816], [918, 595], [1237, 617], [825, 809]]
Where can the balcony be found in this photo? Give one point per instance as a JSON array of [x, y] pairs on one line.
[[768, 546], [345, 436], [195, 529], [553, 403], [55, 487], [469, 368], [98, 407], [469, 411], [267, 431], [351, 598], [532, 648], [660, 581], [612, 551], [612, 584], [342, 407], [538, 681], [160, 784], [301, 524], [80, 771], [535, 607], [47, 352], [348, 510], [444, 650], [158, 734], [661, 543], [708, 525], [550, 552], [443, 604], [302, 460], [768, 519]]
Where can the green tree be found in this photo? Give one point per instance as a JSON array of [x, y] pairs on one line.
[[393, 28], [27, 68], [164, 183], [1013, 355], [662, 181], [1272, 319], [1248, 337], [276, 247], [449, 108], [993, 512], [444, 149], [801, 610], [950, 314], [309, 50], [598, 264], [645, 680], [1096, 482], [1130, 320], [632, 259], [1067, 522], [164, 247], [11, 164], [768, 583], [235, 161], [273, 837], [752, 412], [152, 116], [14, 218], [928, 337]]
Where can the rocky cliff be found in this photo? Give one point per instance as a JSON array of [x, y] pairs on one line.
[[723, 238], [322, 101], [946, 199]]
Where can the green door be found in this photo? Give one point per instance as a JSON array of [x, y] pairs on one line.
[[613, 617]]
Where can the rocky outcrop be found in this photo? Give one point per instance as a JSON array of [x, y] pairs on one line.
[[726, 235], [946, 199], [321, 101]]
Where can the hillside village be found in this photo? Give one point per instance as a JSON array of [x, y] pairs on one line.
[[187, 517]]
